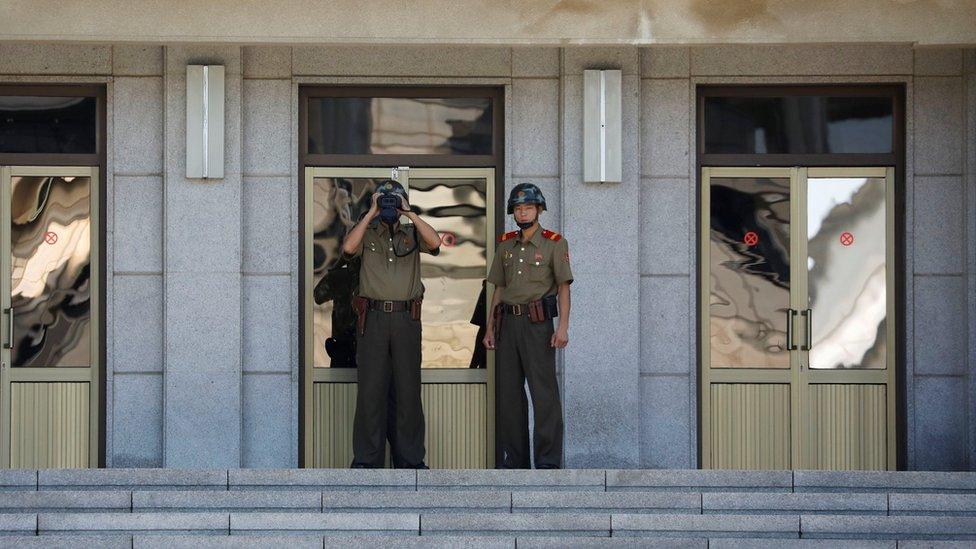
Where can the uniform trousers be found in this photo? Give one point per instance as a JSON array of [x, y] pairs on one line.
[[389, 352], [524, 354]]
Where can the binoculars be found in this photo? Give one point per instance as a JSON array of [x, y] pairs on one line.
[[389, 204], [388, 200]]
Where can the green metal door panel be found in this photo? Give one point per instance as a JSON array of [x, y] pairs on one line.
[[847, 427], [750, 426], [456, 417], [49, 425]]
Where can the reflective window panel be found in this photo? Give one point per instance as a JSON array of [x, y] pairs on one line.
[[453, 280], [52, 125], [50, 271], [798, 125], [454, 297], [399, 125], [337, 205], [846, 266], [749, 286]]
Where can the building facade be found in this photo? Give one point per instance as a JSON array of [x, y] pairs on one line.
[[204, 346]]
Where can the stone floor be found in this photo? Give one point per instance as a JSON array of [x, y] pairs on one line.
[[450, 508]]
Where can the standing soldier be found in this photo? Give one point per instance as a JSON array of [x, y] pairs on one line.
[[530, 273], [388, 331]]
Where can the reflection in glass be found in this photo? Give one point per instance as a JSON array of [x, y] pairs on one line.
[[452, 279], [50, 271], [749, 282], [798, 125], [847, 272], [456, 208], [337, 204], [55, 125], [399, 125]]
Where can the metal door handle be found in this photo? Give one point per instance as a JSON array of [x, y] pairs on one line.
[[809, 329], [10, 328], [790, 313]]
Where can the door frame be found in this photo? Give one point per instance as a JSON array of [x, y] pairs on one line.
[[889, 376], [91, 375], [897, 90], [99, 160], [496, 92], [799, 377], [312, 375], [706, 375]]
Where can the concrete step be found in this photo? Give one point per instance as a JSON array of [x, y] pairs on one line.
[[498, 480], [257, 508], [899, 527], [63, 501], [607, 502], [672, 480], [586, 524], [794, 503], [227, 501], [322, 479], [460, 542], [884, 481], [706, 526], [131, 479]]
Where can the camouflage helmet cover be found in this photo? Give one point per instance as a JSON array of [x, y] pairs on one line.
[[391, 186], [525, 193]]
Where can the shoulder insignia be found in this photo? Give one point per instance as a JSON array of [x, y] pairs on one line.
[[551, 235], [508, 236]]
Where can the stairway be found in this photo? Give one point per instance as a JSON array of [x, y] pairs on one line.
[[143, 508]]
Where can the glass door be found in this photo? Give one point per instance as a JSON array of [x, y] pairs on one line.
[[456, 386], [797, 318], [847, 374], [748, 367], [50, 358]]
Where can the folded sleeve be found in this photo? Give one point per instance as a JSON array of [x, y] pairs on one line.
[[359, 249], [427, 249], [496, 275], [560, 262]]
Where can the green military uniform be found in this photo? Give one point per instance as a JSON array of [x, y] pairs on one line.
[[389, 351], [525, 271]]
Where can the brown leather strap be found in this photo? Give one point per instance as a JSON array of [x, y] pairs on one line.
[[535, 310], [359, 305]]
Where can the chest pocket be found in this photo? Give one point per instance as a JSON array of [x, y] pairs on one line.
[[540, 272]]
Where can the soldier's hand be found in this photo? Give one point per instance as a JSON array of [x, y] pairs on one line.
[[404, 205], [560, 338], [374, 209], [489, 339]]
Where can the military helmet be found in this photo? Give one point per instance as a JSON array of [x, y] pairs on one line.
[[525, 193], [391, 186]]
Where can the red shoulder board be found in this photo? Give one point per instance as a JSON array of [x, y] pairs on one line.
[[551, 235], [508, 236]]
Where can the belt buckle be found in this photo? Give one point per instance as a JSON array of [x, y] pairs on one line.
[[517, 310], [387, 306]]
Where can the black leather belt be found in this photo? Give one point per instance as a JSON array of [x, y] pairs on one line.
[[388, 306], [517, 310]]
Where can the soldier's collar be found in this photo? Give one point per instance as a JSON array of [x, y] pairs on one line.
[[536, 237], [383, 228]]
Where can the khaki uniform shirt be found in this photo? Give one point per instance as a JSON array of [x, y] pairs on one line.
[[531, 270], [382, 274]]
